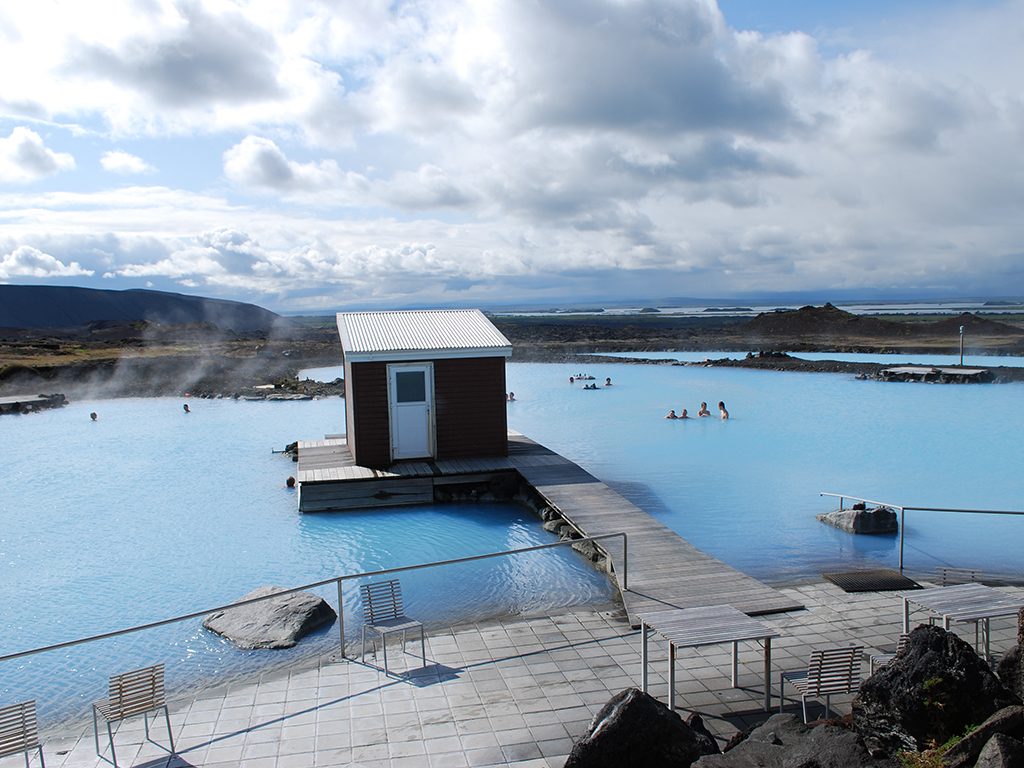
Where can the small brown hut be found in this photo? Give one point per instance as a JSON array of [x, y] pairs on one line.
[[423, 384]]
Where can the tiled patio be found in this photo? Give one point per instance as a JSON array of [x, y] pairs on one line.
[[512, 692]]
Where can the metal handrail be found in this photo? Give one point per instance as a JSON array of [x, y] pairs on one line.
[[904, 507], [624, 586]]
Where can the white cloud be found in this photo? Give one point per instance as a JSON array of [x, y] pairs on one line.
[[24, 157], [259, 163], [125, 164], [521, 149], [26, 261]]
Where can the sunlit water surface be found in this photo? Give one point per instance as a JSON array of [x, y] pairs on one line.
[[889, 358], [149, 513], [747, 490]]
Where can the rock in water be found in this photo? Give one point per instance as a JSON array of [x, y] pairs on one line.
[[934, 690], [634, 729], [277, 623], [877, 520]]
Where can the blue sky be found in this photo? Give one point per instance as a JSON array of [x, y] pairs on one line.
[[305, 157]]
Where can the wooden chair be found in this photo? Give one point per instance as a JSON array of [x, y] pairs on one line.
[[878, 660], [830, 671], [384, 615], [138, 692], [19, 731]]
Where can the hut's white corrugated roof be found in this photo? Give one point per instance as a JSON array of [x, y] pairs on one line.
[[425, 333]]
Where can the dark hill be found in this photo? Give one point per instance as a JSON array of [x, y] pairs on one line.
[[973, 324], [834, 322], [826, 320], [45, 306]]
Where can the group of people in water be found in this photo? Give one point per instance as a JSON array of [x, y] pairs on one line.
[[723, 414], [585, 377]]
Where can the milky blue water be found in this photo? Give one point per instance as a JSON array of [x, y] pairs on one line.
[[747, 490], [893, 358], [149, 513]]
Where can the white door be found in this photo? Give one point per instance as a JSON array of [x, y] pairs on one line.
[[410, 395]]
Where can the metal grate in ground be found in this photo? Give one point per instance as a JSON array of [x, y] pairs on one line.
[[871, 580]]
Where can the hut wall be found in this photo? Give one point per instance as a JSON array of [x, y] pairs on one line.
[[470, 411], [369, 431]]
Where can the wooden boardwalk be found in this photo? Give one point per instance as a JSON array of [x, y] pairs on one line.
[[665, 571]]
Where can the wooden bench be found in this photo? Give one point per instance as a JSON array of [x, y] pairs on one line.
[[829, 672], [19, 731], [138, 692]]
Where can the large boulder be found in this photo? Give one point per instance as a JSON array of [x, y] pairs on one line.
[[637, 730], [877, 520], [1011, 668], [1001, 751], [279, 622], [784, 742], [934, 690], [1008, 721]]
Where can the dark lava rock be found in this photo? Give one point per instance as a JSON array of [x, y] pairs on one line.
[[936, 689], [276, 623], [634, 729], [705, 739], [1001, 751], [1011, 671], [1008, 722], [876, 520], [784, 742]]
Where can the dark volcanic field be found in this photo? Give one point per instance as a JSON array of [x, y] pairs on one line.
[[144, 359]]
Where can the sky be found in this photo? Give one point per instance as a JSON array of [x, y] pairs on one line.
[[321, 155]]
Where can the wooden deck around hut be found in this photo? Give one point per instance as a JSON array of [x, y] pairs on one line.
[[664, 570]]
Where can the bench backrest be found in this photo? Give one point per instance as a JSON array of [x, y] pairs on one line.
[[834, 670], [18, 729], [947, 576], [382, 601], [135, 692]]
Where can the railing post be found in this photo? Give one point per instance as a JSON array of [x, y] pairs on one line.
[[903, 529], [341, 618], [840, 503], [625, 563]]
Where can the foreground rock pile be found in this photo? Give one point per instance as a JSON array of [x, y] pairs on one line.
[[936, 705]]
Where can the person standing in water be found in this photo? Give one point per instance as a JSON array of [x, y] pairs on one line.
[[703, 410], [721, 410], [185, 408]]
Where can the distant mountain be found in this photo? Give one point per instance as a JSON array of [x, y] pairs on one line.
[[828, 320], [46, 306]]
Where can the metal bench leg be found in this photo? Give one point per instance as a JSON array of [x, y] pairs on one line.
[[384, 644], [145, 725], [170, 736], [110, 735], [803, 703], [423, 647], [42, 762], [96, 731], [782, 692]]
